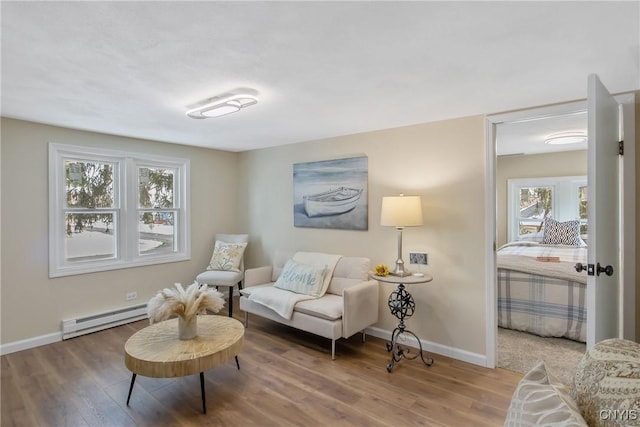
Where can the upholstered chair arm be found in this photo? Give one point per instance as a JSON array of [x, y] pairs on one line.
[[360, 307], [257, 276]]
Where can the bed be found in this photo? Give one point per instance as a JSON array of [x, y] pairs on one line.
[[539, 290]]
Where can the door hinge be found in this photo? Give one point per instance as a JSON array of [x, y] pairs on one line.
[[621, 148]]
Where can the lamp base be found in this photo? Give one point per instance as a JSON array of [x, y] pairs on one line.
[[400, 271]]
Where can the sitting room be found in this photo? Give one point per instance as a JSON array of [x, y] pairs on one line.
[[265, 151]]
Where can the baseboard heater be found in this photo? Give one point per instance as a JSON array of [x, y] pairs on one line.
[[85, 325]]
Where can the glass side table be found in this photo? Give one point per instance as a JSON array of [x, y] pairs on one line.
[[402, 306]]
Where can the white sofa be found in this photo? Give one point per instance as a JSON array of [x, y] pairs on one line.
[[349, 305]]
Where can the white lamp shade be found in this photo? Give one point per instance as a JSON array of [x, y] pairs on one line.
[[401, 211]]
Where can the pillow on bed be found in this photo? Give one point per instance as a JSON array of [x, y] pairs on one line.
[[561, 233]]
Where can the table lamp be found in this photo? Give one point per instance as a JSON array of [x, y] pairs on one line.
[[399, 212]]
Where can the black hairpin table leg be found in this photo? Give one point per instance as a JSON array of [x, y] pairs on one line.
[[133, 380], [204, 402]]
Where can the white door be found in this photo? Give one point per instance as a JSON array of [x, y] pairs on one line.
[[604, 214]]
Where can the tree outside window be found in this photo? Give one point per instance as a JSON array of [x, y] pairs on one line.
[[89, 213], [535, 205], [114, 209]]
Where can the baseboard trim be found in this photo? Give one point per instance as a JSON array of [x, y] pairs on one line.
[[431, 347], [28, 343]]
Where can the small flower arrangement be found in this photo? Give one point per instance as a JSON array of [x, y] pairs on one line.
[[184, 303], [382, 270]]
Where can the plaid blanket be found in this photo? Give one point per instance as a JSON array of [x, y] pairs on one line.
[[536, 302]]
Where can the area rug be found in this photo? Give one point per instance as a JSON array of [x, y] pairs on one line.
[[519, 351]]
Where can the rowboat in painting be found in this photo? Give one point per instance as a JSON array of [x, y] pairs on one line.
[[333, 202]]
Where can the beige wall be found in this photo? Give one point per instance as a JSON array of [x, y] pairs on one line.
[[444, 163], [569, 163], [34, 305], [252, 192]]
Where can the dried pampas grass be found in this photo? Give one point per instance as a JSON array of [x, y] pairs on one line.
[[184, 303]]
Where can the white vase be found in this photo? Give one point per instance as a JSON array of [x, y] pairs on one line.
[[187, 328]]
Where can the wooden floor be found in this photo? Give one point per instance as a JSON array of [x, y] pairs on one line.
[[286, 378]]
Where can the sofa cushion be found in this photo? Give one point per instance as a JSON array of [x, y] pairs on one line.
[[328, 307], [302, 278], [541, 400], [348, 272], [280, 258], [607, 383]]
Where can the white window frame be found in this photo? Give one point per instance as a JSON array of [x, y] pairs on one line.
[[125, 209], [564, 206]]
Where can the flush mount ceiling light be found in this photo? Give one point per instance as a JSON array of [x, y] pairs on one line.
[[573, 137], [221, 106]]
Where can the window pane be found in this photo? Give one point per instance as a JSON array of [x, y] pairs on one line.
[[155, 188], [535, 205], [89, 184], [156, 232], [582, 202], [89, 237], [582, 210]]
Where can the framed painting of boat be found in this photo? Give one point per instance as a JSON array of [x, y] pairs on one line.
[[331, 194]]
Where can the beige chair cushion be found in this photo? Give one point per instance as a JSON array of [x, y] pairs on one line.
[[607, 384], [348, 272], [219, 278], [541, 400]]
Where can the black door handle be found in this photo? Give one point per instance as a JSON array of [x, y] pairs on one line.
[[580, 267], [608, 270]]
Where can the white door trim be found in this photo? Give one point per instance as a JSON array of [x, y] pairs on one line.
[[628, 219]]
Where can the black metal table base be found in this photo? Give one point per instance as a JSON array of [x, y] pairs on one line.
[[204, 401], [402, 306], [398, 352]]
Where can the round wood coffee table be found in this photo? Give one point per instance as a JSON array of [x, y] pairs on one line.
[[156, 351]]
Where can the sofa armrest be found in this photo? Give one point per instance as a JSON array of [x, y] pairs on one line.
[[360, 307], [257, 276]]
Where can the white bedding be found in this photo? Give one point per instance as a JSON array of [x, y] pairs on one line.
[[526, 257]]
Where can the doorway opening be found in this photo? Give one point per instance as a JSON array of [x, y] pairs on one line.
[[499, 130], [540, 316]]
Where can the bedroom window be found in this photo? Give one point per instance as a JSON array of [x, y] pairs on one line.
[[535, 204], [531, 200], [582, 210], [111, 210]]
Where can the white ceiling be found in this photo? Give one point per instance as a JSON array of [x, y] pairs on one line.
[[321, 69], [528, 136]]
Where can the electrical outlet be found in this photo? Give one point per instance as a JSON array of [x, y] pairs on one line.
[[418, 258], [131, 296]]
